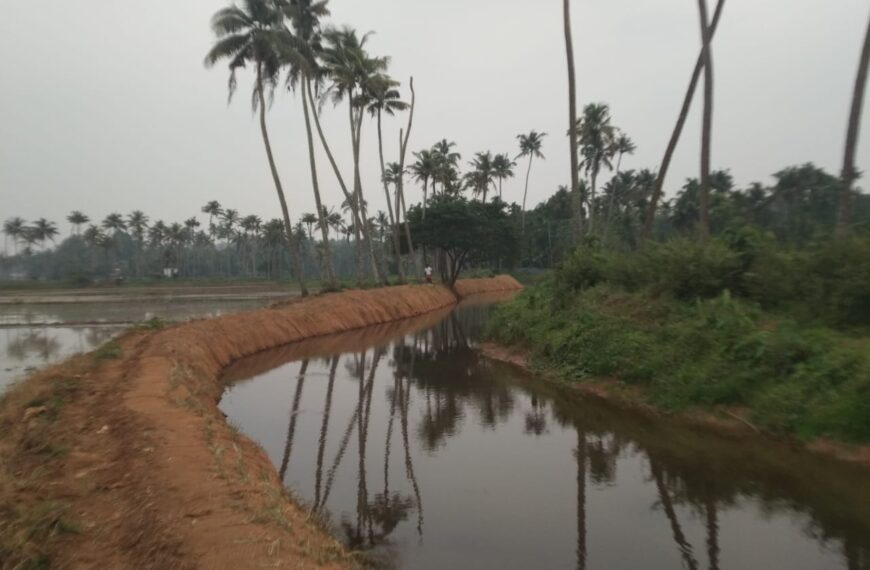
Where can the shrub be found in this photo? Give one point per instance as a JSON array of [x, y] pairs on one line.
[[689, 269]]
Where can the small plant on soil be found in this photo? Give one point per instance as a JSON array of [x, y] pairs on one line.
[[108, 351], [152, 324]]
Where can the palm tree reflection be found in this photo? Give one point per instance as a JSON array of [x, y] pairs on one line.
[[452, 387], [294, 413]]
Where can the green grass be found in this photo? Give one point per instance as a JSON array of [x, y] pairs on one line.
[[800, 378], [109, 351]]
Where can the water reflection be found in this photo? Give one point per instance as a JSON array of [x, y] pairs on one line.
[[33, 335], [495, 459], [24, 349]]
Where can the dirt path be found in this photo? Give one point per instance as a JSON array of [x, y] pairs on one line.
[[122, 459]]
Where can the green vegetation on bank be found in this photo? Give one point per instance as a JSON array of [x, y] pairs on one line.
[[738, 322]]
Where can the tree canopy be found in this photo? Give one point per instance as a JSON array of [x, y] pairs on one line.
[[465, 231]]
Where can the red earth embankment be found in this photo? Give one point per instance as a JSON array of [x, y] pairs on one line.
[[130, 453]]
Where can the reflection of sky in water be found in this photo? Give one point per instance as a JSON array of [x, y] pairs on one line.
[[133, 312], [23, 349], [511, 474], [25, 345]]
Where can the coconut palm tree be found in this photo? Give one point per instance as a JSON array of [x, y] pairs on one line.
[[424, 170], [157, 233], [597, 137], [850, 172], [385, 98], [213, 209], [354, 73], [678, 130], [300, 49], [502, 168], [707, 123], [577, 201], [14, 228], [77, 220], [137, 221], [401, 207], [446, 163], [114, 222], [309, 220], [247, 35], [94, 236], [231, 219], [482, 175], [315, 113], [530, 145], [621, 146]]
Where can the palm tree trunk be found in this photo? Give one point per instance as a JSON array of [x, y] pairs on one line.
[[294, 413], [417, 268], [679, 537], [707, 127], [712, 534], [526, 192], [649, 220], [404, 136], [572, 132], [324, 427], [425, 196], [335, 169], [397, 248], [288, 228], [609, 216], [581, 500], [850, 173], [594, 181], [356, 133], [321, 218]]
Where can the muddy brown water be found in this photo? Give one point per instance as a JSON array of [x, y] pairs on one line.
[[421, 452]]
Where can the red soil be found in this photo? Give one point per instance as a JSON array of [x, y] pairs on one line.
[[153, 477]]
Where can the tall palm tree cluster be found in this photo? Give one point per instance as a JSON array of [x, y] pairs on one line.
[[589, 138], [227, 245], [286, 45], [27, 237], [601, 146], [438, 170]]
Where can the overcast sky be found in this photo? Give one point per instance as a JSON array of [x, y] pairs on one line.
[[105, 104]]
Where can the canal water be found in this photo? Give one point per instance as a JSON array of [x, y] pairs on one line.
[[424, 454]]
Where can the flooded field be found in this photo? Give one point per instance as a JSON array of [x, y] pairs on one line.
[[423, 453], [33, 335]]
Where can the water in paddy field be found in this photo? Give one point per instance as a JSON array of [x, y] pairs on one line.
[[427, 455], [34, 335]]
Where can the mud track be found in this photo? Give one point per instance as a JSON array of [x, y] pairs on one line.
[[122, 459]]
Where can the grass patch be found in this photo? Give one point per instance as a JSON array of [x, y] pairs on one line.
[[152, 324], [109, 351], [796, 377], [26, 532]]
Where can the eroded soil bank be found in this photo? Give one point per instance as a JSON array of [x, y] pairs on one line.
[[121, 458]]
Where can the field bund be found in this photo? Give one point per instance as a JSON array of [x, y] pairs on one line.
[[150, 474]]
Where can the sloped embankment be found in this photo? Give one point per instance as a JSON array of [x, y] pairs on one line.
[[125, 460]]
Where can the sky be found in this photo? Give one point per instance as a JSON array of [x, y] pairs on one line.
[[105, 105]]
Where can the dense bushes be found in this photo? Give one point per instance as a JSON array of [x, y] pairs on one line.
[[829, 282], [736, 322]]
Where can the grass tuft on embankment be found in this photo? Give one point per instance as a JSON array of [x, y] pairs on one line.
[[782, 335]]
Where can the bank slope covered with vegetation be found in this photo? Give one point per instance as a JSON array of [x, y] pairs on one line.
[[739, 322]]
